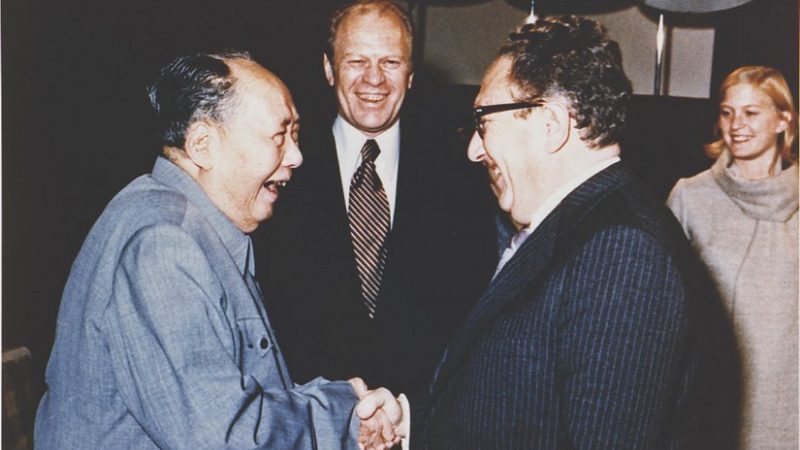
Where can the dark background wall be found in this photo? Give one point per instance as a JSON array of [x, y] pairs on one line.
[[762, 32], [76, 126]]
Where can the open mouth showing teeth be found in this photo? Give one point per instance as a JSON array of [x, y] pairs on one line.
[[371, 97], [275, 185]]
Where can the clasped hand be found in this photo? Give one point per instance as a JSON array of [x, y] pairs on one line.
[[382, 421]]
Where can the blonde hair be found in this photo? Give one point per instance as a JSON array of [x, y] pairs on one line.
[[770, 82]]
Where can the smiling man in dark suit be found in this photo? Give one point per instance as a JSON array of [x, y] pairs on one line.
[[386, 238], [590, 333]]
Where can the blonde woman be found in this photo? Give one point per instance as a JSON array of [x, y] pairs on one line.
[[741, 217]]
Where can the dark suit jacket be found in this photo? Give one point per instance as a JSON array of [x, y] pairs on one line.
[[590, 337], [441, 255]]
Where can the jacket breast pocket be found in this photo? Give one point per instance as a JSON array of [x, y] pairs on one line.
[[256, 352]]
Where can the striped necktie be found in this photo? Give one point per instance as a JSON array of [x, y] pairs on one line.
[[368, 214]]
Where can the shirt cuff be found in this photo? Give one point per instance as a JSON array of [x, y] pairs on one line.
[[405, 425]]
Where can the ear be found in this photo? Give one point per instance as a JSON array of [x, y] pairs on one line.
[[410, 80], [200, 140], [326, 64], [786, 119], [558, 125]]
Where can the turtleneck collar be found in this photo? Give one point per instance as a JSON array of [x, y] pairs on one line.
[[773, 198]]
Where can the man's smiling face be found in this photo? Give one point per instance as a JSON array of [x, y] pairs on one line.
[[371, 70]]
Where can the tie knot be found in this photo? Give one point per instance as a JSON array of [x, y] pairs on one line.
[[370, 150]]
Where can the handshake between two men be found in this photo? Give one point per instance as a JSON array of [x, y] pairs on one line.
[[384, 419], [590, 335]]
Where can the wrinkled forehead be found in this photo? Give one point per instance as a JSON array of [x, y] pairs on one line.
[[362, 24]]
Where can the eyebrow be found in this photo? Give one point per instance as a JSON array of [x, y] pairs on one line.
[[365, 56], [749, 105]]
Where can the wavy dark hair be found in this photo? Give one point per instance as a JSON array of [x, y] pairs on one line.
[[191, 88], [573, 57]]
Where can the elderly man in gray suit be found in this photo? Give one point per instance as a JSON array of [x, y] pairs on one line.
[[162, 338]]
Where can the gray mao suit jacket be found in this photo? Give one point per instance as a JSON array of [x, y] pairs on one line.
[[163, 342]]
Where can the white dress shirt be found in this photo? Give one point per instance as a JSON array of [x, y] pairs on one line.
[[349, 142], [544, 210]]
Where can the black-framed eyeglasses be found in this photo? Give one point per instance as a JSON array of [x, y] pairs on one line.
[[479, 111]]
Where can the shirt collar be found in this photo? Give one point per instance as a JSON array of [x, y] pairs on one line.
[[554, 199], [350, 140], [235, 241]]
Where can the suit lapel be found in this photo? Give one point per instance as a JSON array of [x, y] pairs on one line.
[[325, 174], [529, 263], [333, 217], [521, 270], [411, 200], [412, 182], [325, 202]]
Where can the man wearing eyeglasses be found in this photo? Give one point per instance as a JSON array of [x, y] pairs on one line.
[[588, 335], [373, 282]]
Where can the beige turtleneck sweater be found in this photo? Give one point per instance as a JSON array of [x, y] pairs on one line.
[[746, 231]]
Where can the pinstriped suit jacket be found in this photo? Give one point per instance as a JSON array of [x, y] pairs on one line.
[[587, 338]]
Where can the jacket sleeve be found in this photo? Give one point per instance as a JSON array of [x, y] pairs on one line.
[[623, 324], [172, 352]]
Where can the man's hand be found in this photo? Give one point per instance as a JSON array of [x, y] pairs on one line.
[[381, 415]]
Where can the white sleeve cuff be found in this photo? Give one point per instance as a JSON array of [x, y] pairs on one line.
[[404, 429]]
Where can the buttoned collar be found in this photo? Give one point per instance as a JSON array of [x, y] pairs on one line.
[[235, 241]]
